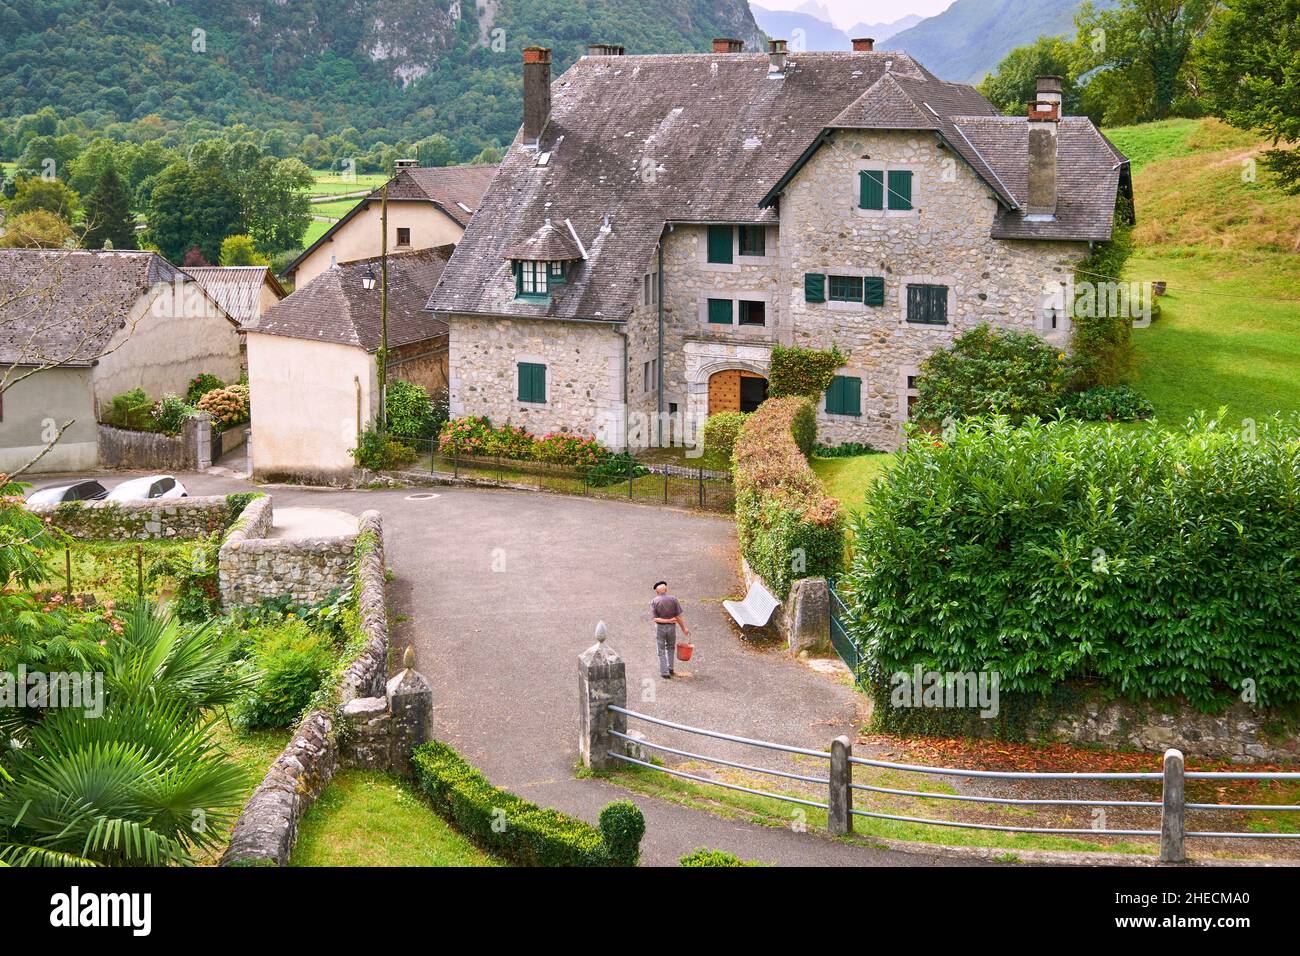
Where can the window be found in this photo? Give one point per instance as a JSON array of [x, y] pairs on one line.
[[403, 236], [532, 279], [753, 313], [558, 272], [650, 375], [844, 397], [532, 382], [650, 288], [720, 311], [871, 189], [720, 243], [753, 240], [846, 288], [927, 304], [814, 287], [900, 189]]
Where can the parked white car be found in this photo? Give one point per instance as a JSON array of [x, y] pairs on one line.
[[153, 486], [88, 490]]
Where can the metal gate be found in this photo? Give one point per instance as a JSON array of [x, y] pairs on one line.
[[841, 637]]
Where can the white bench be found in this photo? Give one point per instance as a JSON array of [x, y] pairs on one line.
[[756, 610]]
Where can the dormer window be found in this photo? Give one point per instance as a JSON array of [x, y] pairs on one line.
[[536, 279]]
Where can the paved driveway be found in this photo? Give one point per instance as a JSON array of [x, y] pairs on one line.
[[499, 591]]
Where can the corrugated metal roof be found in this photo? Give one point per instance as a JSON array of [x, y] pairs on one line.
[[237, 289]]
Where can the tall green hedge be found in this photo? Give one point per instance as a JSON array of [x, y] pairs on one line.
[[787, 526], [801, 371], [1160, 563], [518, 831]]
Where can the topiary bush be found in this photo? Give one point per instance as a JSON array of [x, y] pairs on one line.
[[788, 527], [516, 830], [720, 433], [703, 856], [989, 371], [292, 661], [802, 372], [1157, 563]]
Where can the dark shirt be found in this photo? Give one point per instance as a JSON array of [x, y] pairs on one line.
[[665, 606]]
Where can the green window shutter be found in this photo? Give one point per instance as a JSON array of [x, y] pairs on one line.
[[871, 189], [900, 189], [938, 304], [844, 397], [519, 277], [532, 382], [874, 290], [814, 287], [927, 304], [720, 244], [720, 311]]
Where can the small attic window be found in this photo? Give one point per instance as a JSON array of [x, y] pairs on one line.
[[535, 279]]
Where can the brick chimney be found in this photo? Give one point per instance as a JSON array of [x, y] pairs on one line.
[[864, 44], [537, 92], [604, 49], [776, 51], [728, 45], [1044, 118]]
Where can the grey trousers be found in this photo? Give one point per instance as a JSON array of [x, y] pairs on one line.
[[666, 641]]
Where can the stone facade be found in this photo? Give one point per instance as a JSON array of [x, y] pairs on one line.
[[160, 519], [252, 567]]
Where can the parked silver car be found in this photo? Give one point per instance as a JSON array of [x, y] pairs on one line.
[[87, 490], [152, 486]]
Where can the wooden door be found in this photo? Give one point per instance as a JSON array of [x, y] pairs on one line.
[[724, 391]]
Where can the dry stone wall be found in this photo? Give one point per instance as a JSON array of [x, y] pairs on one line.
[[159, 519]]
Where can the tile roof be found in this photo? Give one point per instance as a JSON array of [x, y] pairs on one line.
[[64, 305], [335, 307], [455, 190], [237, 289], [635, 142], [548, 244]]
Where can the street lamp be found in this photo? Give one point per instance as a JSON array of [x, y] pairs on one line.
[[368, 280]]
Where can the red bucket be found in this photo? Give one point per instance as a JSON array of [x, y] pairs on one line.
[[684, 651]]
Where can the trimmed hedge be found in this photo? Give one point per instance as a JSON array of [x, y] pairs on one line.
[[1159, 564], [802, 372], [516, 830], [788, 527]]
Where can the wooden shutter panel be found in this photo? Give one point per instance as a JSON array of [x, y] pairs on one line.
[[871, 189], [814, 287], [720, 244], [833, 396], [525, 382], [900, 189], [539, 383], [720, 311], [938, 308], [852, 395], [873, 290], [916, 302]]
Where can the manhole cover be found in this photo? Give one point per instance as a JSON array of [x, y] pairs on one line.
[[422, 496]]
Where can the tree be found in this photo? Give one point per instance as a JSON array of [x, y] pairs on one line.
[[1145, 40], [1247, 63], [38, 229], [193, 207], [277, 204], [108, 214], [52, 195], [240, 251], [1014, 83]]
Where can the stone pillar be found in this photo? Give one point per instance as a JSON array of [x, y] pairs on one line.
[[202, 440], [601, 681], [1173, 810], [410, 700], [839, 815], [808, 613]]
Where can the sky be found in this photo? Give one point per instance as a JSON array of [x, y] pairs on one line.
[[846, 13]]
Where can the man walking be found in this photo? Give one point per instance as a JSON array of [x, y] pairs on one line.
[[667, 614]]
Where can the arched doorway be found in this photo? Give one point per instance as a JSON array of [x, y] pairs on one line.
[[736, 390]]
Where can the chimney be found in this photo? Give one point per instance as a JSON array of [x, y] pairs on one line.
[[864, 44], [1044, 118], [776, 50], [537, 92], [604, 49], [728, 45]]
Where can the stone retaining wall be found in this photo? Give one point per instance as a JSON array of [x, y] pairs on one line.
[[252, 568], [159, 519], [191, 450], [268, 828]]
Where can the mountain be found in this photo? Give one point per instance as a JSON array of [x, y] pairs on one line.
[[816, 32], [968, 39], [364, 70], [883, 31]]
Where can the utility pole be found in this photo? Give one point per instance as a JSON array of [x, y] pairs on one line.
[[383, 311]]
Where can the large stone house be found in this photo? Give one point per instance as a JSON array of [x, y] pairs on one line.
[[428, 206], [661, 222], [78, 327]]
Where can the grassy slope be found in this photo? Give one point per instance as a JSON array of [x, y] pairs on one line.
[[846, 479], [1227, 247], [372, 819]]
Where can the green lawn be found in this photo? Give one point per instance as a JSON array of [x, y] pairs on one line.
[[372, 819], [315, 229], [329, 183], [336, 209], [846, 479]]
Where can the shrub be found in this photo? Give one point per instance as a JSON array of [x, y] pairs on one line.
[[703, 856], [465, 436], [1158, 563], [564, 448], [378, 452], [170, 413], [1108, 403], [848, 449], [129, 410], [531, 835], [800, 371], [720, 433], [227, 406], [614, 468], [292, 660], [991, 372], [1103, 344], [511, 441], [412, 414], [200, 385], [787, 526]]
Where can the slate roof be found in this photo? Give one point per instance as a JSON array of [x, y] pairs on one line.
[[636, 142], [237, 289], [335, 307], [455, 190], [64, 305]]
